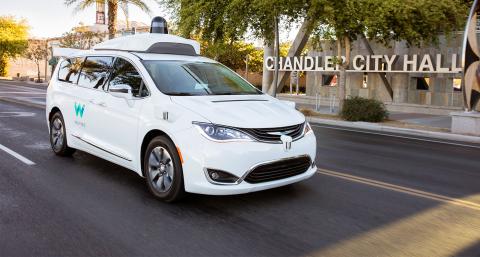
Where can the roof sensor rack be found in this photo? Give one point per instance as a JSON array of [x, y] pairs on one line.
[[171, 48], [159, 25]]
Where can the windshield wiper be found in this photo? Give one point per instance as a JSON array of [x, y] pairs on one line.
[[182, 94]]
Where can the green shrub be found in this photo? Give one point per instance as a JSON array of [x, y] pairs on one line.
[[362, 109]]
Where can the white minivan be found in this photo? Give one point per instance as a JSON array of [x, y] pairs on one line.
[[186, 123]]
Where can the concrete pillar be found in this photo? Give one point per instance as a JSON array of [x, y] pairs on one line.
[[400, 81], [267, 77]]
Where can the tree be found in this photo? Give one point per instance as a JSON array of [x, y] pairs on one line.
[[37, 51], [13, 40], [414, 21], [234, 54], [81, 39], [112, 9], [217, 21]]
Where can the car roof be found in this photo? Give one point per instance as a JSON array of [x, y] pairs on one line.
[[171, 57], [143, 46], [152, 43]]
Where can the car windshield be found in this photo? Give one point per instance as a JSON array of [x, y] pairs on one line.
[[197, 78]]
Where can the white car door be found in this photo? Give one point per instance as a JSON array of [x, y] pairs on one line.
[[92, 80], [68, 97], [121, 112]]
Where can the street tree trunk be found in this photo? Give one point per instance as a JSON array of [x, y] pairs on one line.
[[38, 71], [112, 18], [343, 66], [267, 75]]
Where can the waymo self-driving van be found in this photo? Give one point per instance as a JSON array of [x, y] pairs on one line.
[[186, 123]]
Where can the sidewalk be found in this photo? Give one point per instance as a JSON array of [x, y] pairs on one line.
[[382, 128], [427, 120]]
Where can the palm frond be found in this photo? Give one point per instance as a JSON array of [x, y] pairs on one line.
[[140, 4], [81, 4]]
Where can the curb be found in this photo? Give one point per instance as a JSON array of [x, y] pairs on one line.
[[29, 104], [402, 131]]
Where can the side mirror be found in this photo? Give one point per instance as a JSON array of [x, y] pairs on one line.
[[121, 91]]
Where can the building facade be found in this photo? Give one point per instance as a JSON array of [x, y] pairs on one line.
[[423, 79]]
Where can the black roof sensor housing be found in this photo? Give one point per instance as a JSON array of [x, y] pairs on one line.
[[159, 25]]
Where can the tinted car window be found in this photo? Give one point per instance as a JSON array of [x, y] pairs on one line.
[[95, 71], [125, 73], [69, 70]]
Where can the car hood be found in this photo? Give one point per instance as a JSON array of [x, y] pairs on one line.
[[243, 111]]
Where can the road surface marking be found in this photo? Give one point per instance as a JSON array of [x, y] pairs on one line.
[[442, 230], [23, 92], [397, 136], [16, 114], [400, 189], [16, 155], [12, 86]]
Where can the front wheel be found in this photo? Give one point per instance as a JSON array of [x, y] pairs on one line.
[[163, 170], [58, 136]]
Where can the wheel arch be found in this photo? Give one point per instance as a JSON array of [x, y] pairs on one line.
[[146, 140], [52, 112]]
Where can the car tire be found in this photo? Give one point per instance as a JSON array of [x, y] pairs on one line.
[[58, 136], [163, 170]]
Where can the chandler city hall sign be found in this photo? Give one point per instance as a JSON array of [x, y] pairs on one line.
[[368, 63]]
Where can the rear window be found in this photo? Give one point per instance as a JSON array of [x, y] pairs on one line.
[[70, 69]]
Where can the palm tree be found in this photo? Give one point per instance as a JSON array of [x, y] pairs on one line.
[[112, 8]]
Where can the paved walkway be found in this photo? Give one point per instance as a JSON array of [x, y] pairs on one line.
[[436, 121]]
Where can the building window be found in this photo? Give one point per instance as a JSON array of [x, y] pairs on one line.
[[423, 83], [457, 84], [329, 80], [365, 80]]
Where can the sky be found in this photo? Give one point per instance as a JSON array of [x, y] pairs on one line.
[[51, 18]]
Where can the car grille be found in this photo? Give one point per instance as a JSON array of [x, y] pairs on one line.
[[279, 170], [272, 135]]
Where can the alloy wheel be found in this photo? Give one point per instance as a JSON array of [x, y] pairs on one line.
[[161, 169], [57, 134]]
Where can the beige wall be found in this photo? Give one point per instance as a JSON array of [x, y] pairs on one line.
[[26, 68]]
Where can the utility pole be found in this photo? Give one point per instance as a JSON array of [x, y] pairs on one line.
[[277, 57]]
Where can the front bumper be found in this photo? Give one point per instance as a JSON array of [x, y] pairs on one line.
[[236, 158]]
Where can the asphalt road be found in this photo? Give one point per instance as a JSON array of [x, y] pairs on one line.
[[374, 195]]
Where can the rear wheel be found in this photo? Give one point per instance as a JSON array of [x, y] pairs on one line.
[[163, 170], [58, 136]]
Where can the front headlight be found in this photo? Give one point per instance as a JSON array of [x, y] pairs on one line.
[[307, 128], [221, 133]]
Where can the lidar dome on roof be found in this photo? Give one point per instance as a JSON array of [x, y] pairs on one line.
[[142, 42]]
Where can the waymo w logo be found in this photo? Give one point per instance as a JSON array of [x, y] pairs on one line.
[[79, 109]]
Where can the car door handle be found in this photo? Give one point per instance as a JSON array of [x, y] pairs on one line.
[[103, 104]]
